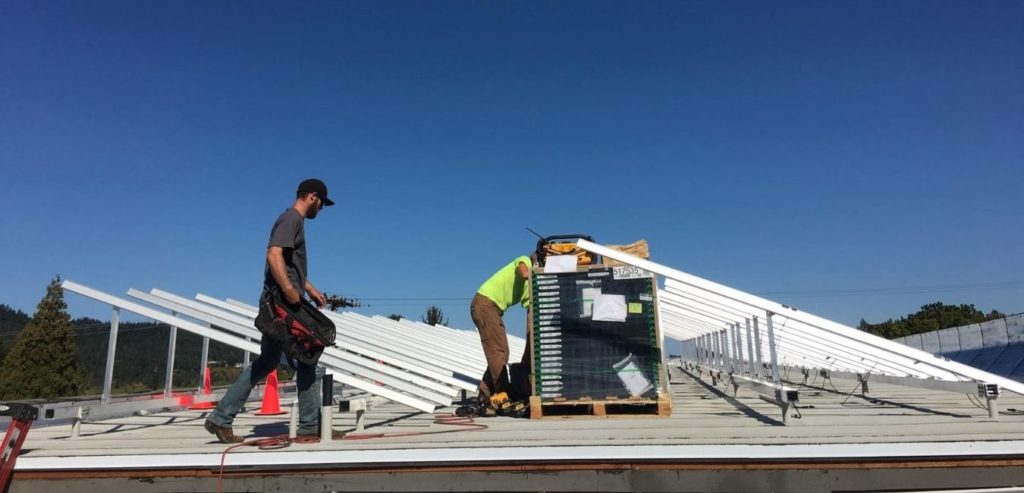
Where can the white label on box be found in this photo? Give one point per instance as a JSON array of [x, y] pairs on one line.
[[560, 263], [629, 272]]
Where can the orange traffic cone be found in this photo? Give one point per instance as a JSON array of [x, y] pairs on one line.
[[271, 404], [207, 390]]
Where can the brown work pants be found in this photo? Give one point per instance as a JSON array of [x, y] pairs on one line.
[[494, 340]]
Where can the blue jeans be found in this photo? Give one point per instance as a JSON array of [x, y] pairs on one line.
[[238, 393]]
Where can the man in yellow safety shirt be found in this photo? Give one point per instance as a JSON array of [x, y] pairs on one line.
[[507, 287]]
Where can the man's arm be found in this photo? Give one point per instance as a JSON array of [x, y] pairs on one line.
[[524, 271], [316, 295], [275, 258]]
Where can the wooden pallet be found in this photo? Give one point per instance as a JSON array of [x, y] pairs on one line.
[[600, 408]]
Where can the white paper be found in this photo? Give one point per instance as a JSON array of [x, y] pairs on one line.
[[560, 263], [634, 380], [609, 308]]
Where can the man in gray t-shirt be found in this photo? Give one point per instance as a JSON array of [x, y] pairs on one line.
[[284, 272], [287, 245]]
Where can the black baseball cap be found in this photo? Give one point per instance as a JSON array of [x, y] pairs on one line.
[[317, 187]]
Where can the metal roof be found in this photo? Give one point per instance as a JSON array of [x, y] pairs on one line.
[[710, 429]]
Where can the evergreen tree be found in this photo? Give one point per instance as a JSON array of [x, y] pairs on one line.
[[11, 323], [42, 362], [434, 316], [395, 316], [11, 319], [931, 317]]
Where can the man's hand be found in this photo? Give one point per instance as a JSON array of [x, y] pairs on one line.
[[315, 295]]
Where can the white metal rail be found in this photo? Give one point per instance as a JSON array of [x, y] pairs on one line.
[[742, 334], [235, 341]]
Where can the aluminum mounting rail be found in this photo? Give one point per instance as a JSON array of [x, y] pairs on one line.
[[333, 359], [437, 379], [357, 329], [384, 334], [872, 347], [236, 341], [396, 334]]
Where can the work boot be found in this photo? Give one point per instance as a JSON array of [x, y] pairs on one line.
[[223, 433]]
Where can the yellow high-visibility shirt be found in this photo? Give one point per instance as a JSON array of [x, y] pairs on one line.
[[505, 288]]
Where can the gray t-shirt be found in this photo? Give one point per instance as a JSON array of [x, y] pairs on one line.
[[289, 234]]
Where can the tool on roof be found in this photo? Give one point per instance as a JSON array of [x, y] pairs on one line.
[[564, 244], [498, 405]]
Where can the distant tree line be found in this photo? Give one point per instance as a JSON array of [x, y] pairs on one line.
[[11, 323], [933, 316]]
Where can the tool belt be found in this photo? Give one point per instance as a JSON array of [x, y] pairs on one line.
[[300, 330]]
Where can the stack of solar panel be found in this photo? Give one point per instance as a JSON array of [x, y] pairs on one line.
[[595, 334]]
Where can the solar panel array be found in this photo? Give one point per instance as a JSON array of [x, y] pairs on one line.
[[996, 346]]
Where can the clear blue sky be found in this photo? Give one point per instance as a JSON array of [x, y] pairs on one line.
[[854, 159]]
